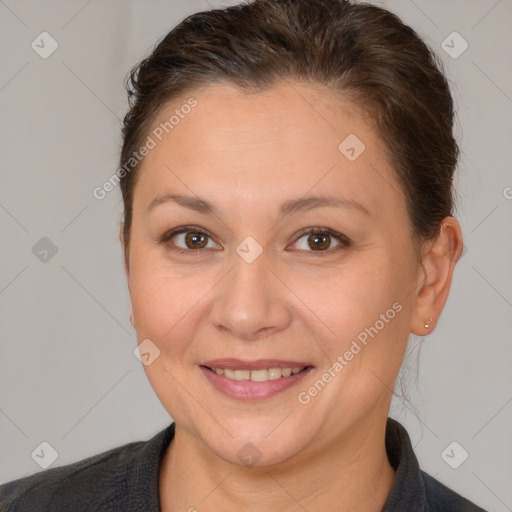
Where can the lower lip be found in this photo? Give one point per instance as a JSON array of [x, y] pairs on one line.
[[252, 390]]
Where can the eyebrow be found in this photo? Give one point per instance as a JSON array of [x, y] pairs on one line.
[[291, 206]]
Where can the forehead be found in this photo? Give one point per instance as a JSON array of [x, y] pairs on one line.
[[291, 137], [285, 115]]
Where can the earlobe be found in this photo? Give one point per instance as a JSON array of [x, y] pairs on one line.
[[435, 277]]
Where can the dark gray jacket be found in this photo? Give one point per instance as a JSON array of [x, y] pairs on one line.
[[125, 479]]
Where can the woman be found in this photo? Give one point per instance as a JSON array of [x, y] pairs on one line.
[[286, 174]]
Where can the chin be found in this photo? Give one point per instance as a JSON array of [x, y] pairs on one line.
[[254, 443]]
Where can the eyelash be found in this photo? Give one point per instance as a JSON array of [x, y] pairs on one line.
[[345, 242]]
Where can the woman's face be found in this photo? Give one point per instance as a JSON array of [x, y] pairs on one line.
[[266, 282]]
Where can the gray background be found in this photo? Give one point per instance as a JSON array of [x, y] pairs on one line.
[[68, 375]]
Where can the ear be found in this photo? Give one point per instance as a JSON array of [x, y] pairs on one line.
[[434, 280]]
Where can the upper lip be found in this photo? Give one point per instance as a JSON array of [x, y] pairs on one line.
[[259, 364]]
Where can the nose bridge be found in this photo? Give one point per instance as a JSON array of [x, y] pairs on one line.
[[249, 302], [247, 295]]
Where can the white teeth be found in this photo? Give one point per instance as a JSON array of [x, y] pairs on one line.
[[274, 373], [242, 374], [257, 375]]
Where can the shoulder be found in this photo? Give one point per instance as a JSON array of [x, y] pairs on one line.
[[440, 498], [91, 482], [413, 489]]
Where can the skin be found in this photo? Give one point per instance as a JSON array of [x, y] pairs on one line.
[[248, 154]]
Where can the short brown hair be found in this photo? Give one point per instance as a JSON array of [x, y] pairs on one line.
[[357, 49]]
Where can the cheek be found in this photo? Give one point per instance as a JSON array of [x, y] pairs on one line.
[[165, 302], [361, 315], [350, 298], [168, 309]]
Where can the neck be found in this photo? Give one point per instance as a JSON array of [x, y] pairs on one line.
[[351, 474]]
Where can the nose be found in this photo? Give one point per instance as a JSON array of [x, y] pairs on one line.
[[251, 300]]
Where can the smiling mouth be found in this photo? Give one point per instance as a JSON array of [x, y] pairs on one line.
[[260, 375]]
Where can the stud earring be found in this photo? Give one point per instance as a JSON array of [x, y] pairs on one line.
[[427, 323]]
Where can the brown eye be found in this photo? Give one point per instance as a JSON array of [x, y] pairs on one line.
[[195, 240], [320, 240], [188, 240]]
